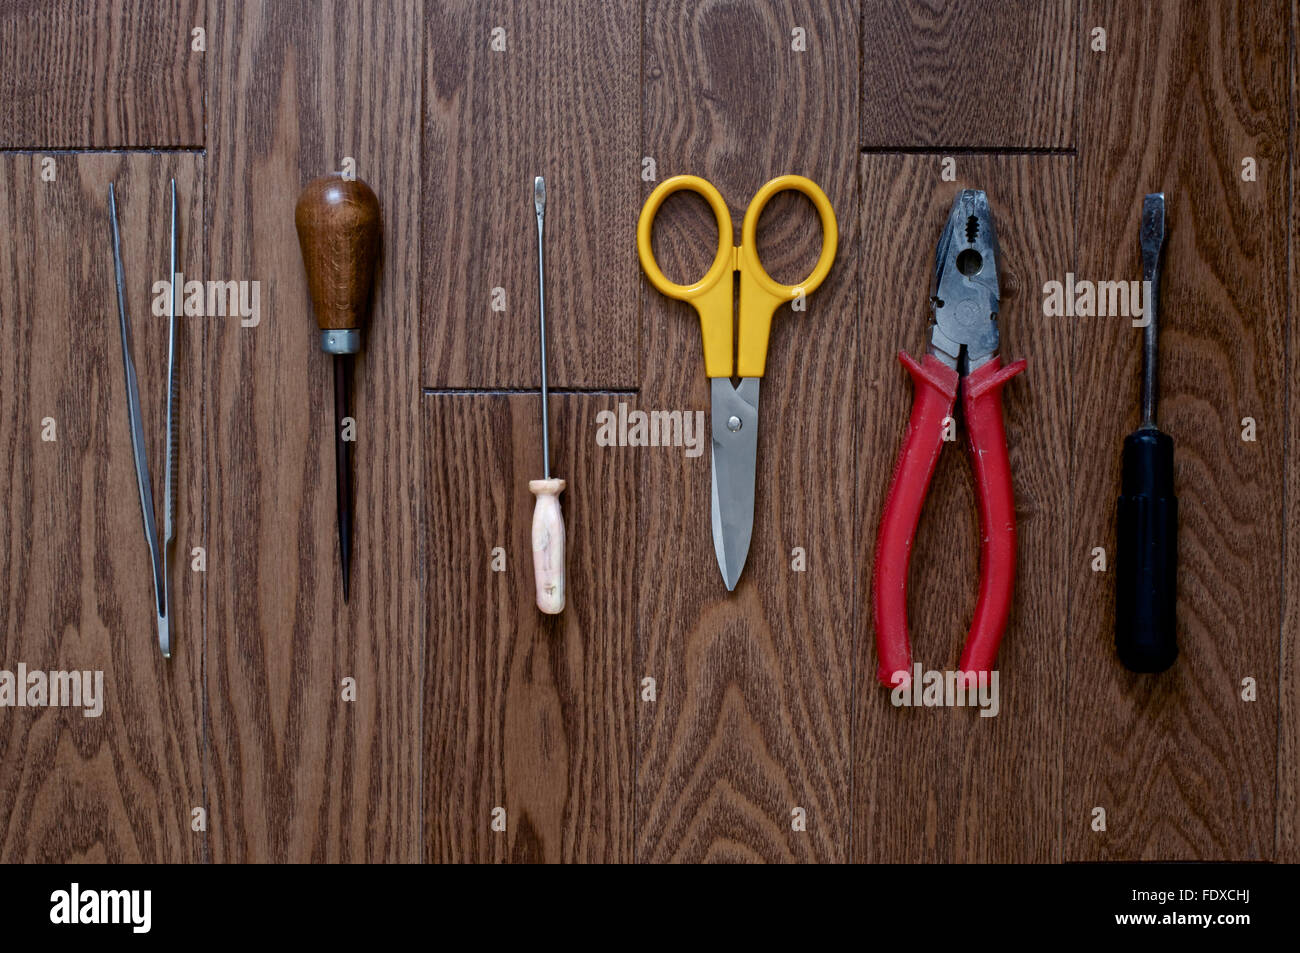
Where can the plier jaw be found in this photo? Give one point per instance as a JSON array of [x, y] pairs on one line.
[[962, 356], [964, 293]]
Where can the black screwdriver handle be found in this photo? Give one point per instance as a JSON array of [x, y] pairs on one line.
[[1146, 557]]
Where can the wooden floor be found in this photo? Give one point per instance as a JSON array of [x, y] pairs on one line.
[[243, 747]]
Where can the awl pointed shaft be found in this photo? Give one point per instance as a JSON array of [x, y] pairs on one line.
[[343, 465]]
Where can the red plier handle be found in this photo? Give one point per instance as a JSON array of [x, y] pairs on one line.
[[936, 386]]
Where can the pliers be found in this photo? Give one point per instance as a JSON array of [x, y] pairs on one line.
[[962, 350]]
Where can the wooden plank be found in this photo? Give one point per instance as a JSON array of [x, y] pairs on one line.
[[753, 710], [297, 773], [968, 74], [559, 101], [78, 590], [1288, 755], [101, 74], [1183, 766], [935, 784], [527, 712]]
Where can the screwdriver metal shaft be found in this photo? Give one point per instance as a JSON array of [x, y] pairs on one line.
[[1152, 240], [1146, 560]]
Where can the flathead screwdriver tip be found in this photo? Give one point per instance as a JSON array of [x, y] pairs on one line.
[[1153, 224], [539, 194]]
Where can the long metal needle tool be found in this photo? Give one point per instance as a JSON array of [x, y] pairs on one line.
[[548, 520], [159, 551], [539, 205]]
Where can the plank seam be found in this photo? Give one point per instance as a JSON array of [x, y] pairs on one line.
[[855, 590], [205, 402], [103, 150], [969, 150], [634, 755], [421, 852], [1279, 767], [507, 391], [1063, 832]]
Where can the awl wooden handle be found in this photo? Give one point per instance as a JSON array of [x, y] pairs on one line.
[[548, 545], [338, 230]]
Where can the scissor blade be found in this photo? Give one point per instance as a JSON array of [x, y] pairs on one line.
[[735, 457]]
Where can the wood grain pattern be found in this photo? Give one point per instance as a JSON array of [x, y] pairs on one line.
[[467, 698], [1184, 767], [297, 774], [1288, 755], [74, 565], [100, 74], [560, 101], [527, 712], [968, 74], [753, 711], [945, 784]]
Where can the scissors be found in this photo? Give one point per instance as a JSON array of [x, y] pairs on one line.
[[735, 407]]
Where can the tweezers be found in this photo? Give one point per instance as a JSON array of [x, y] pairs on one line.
[[159, 552]]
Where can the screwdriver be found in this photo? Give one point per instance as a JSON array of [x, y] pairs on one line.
[[338, 231], [548, 521], [1146, 561]]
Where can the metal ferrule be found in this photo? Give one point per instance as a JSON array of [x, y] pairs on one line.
[[344, 341]]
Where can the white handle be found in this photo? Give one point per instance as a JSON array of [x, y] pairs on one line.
[[548, 545]]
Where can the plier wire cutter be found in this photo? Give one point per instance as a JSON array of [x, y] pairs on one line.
[[962, 352]]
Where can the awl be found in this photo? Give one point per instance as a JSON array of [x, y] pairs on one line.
[[338, 231]]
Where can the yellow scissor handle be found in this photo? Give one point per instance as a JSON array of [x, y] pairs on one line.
[[711, 295], [760, 296]]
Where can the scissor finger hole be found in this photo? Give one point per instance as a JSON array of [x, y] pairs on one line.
[[789, 237], [684, 238]]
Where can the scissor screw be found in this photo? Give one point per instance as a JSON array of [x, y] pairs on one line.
[[733, 423]]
